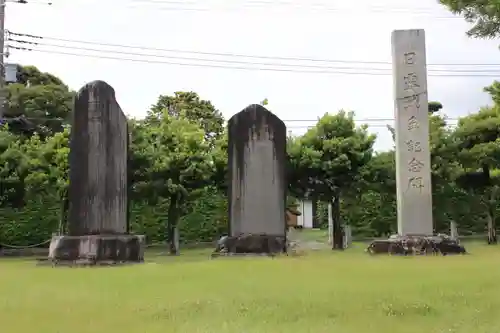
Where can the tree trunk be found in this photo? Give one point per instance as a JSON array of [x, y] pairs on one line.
[[172, 225], [492, 230], [129, 180], [338, 237], [492, 235], [490, 201], [64, 212]]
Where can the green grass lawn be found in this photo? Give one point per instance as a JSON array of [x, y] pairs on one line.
[[348, 292]]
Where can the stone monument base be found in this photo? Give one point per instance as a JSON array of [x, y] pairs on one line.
[[417, 245], [96, 250], [251, 244]]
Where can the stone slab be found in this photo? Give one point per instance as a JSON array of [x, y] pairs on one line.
[[257, 162], [98, 161]]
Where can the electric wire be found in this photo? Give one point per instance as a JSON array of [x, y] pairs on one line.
[[227, 54], [211, 6]]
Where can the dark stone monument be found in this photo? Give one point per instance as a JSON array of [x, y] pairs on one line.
[[98, 188], [257, 190]]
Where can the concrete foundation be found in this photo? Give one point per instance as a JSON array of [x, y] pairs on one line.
[[97, 249]]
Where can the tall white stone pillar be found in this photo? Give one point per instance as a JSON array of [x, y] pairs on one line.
[[413, 169]]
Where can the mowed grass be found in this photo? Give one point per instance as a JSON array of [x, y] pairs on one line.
[[319, 292]]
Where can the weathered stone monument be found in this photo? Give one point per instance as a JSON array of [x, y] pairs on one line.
[[257, 190], [98, 188], [413, 173]]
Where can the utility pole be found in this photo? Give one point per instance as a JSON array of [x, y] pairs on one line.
[[3, 92]]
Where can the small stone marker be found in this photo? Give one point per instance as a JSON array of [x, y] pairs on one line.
[[453, 230], [347, 236], [98, 198], [413, 173]]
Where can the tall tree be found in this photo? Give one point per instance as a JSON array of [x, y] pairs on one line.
[[478, 141], [327, 160], [38, 102], [370, 204], [13, 170], [49, 170], [190, 106], [483, 14], [171, 160]]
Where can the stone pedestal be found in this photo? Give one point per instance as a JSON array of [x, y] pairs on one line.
[[416, 245], [97, 249], [246, 244]]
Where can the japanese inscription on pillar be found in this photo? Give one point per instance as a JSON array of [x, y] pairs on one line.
[[412, 132]]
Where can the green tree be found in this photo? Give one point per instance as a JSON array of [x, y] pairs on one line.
[[38, 102], [476, 145], [190, 106], [49, 170], [170, 160], [30, 75], [483, 14], [477, 138], [434, 107], [220, 176], [370, 204], [13, 170], [327, 160]]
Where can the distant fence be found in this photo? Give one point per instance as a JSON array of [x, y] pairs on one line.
[[28, 251]]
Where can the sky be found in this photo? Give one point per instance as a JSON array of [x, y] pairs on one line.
[[345, 31]]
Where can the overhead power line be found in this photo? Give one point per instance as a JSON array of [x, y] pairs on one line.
[[25, 2], [489, 71], [210, 6], [221, 66], [229, 54], [287, 4]]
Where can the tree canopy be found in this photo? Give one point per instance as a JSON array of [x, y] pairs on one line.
[[38, 102], [483, 14]]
